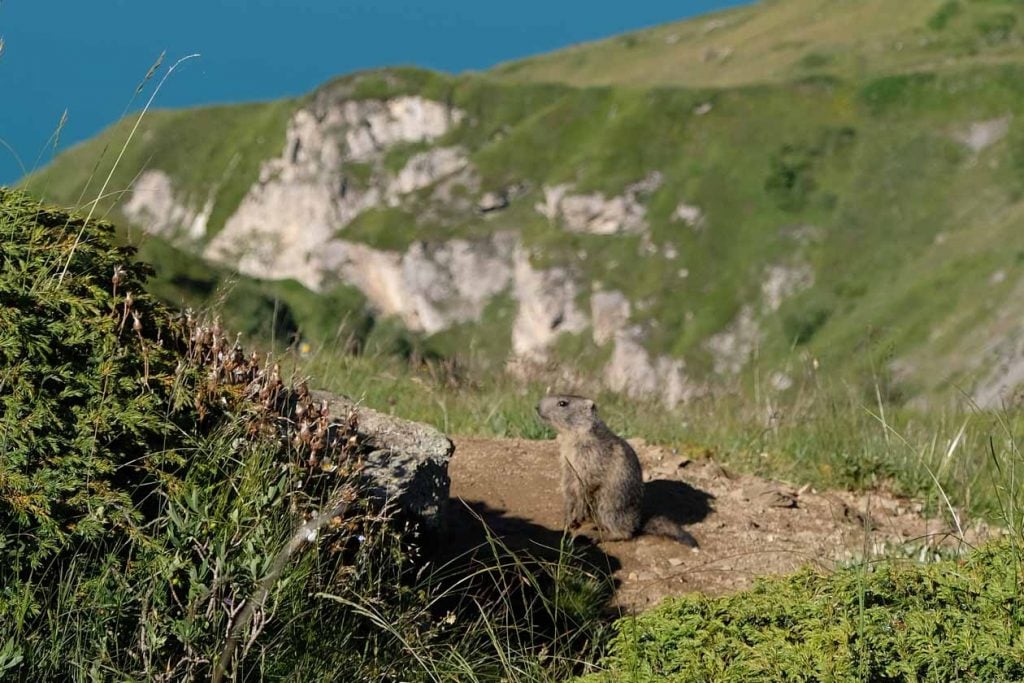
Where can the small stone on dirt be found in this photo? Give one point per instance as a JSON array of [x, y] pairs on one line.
[[675, 561], [768, 494]]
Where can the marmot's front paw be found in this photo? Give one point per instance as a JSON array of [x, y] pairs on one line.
[[586, 537]]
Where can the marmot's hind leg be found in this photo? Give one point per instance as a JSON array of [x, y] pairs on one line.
[[616, 523]]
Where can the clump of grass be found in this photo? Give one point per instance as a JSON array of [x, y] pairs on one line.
[[951, 620], [946, 12]]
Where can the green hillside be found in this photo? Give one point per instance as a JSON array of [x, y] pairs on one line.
[[862, 223], [781, 40]]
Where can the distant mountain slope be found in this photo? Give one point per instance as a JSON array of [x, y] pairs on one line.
[[663, 241], [779, 40]]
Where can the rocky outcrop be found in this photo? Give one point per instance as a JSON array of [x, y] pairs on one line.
[[599, 215], [609, 313], [497, 200], [287, 223], [732, 347], [425, 169], [372, 126], [692, 215], [998, 356], [153, 203], [547, 307], [406, 463], [292, 225], [634, 372], [781, 282], [980, 135], [431, 286]]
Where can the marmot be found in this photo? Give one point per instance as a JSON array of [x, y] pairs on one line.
[[601, 477]]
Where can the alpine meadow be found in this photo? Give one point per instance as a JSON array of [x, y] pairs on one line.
[[270, 372]]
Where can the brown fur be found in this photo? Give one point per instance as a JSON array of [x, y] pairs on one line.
[[601, 477]]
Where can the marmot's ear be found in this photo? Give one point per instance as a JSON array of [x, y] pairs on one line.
[[592, 406]]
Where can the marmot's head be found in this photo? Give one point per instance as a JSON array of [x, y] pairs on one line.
[[566, 412]]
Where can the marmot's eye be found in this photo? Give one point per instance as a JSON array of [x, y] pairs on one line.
[[563, 404]]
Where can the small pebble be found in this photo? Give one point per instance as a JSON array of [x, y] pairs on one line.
[[675, 561]]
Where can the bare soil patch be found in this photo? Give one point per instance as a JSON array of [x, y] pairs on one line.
[[745, 526]]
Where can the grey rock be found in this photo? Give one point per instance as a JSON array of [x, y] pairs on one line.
[[978, 135], [407, 463]]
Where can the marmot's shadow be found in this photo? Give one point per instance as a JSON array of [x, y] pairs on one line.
[[676, 500], [477, 530]]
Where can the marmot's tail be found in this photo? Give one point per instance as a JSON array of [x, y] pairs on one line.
[[659, 525]]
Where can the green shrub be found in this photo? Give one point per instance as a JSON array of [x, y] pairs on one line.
[[944, 14], [997, 28], [951, 620], [816, 60], [890, 92], [803, 316], [145, 495], [87, 377], [790, 181]]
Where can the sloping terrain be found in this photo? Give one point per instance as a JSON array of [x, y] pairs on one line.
[[783, 40], [660, 241]]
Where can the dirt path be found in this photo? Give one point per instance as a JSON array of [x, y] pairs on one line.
[[745, 526]]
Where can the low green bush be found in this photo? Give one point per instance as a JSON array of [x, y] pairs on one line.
[[947, 621], [148, 504]]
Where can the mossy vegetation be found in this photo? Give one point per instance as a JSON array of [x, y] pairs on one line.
[[947, 621]]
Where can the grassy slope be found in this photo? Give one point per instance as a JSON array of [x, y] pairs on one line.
[[209, 151], [780, 40], [897, 206], [276, 313]]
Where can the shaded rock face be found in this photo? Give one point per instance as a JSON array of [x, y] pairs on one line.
[[154, 203], [609, 313], [733, 346], [998, 358], [431, 286], [407, 464]]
